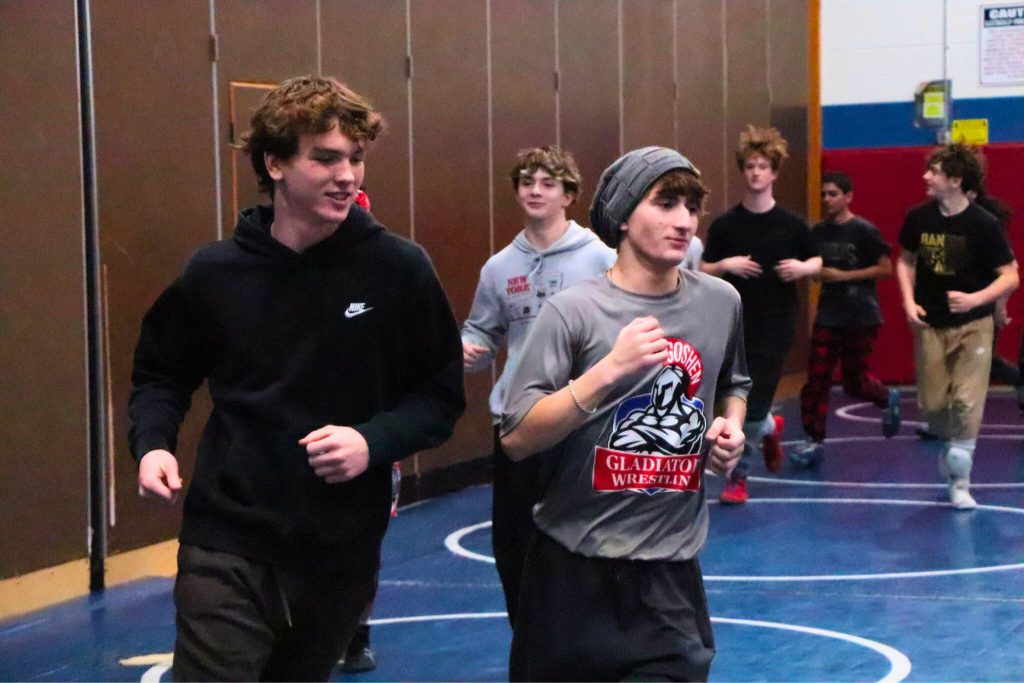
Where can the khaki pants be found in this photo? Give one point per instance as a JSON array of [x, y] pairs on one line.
[[952, 377]]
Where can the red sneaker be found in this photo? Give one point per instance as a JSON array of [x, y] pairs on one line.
[[771, 446], [735, 492]]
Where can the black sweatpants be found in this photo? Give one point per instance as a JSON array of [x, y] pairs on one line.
[[239, 620], [766, 341], [595, 619], [516, 491]]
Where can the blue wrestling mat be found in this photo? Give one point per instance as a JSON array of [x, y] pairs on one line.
[[857, 570]]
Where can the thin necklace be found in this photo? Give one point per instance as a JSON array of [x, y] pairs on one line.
[[611, 278]]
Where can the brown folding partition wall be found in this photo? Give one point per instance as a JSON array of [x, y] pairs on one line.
[[257, 45], [365, 45], [244, 97], [523, 99], [463, 84], [157, 202], [44, 416], [588, 89], [450, 140], [648, 74]]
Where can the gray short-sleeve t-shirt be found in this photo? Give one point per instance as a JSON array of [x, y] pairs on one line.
[[629, 482]]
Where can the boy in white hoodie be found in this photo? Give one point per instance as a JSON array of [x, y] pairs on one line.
[[548, 255]]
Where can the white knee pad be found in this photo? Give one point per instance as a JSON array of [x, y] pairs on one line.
[[958, 462]]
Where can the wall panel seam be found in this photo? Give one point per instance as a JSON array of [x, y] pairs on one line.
[[214, 86], [408, 87], [558, 84], [319, 42], [675, 74], [622, 84], [768, 56], [490, 131], [725, 105]]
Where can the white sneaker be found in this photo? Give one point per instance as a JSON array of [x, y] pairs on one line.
[[960, 496]]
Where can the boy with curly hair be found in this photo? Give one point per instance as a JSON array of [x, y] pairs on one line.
[[955, 264], [549, 254], [302, 325]]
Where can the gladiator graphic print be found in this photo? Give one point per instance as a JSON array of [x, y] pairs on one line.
[[655, 441]]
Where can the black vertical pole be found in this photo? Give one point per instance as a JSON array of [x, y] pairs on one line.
[[94, 312]]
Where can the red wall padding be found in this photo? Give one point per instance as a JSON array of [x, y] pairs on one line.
[[886, 182]]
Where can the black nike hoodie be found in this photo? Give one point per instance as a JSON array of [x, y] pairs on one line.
[[354, 331]]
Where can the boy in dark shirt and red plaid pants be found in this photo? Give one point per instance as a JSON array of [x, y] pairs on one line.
[[853, 257]]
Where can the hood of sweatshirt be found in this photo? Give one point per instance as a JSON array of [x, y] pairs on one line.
[[252, 233], [575, 237]]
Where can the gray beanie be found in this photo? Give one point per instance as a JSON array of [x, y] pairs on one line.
[[624, 184]]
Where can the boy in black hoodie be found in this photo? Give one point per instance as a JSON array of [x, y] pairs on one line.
[[330, 351]]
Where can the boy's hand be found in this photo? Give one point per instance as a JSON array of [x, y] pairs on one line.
[[741, 266], [791, 269], [961, 302], [471, 353], [640, 344], [337, 453], [727, 441], [158, 476], [915, 316]]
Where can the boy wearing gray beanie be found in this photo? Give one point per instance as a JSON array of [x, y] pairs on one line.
[[617, 386]]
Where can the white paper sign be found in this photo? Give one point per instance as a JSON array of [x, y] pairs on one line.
[[1002, 45]]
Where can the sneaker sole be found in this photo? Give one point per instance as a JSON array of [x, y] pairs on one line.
[[773, 460]]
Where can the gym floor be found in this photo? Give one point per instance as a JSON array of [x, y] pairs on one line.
[[856, 570]]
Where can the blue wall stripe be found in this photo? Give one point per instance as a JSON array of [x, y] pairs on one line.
[[891, 124]]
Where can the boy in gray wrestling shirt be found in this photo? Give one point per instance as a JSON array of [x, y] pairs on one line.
[[617, 382]]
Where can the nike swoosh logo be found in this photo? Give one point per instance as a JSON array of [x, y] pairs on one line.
[[353, 310]]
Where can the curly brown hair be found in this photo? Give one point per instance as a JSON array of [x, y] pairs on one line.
[[768, 142], [555, 160], [958, 160], [305, 104]]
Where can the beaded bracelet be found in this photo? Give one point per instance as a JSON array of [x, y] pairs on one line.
[[572, 390]]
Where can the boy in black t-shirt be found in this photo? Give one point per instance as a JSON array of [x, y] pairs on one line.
[[761, 249], [853, 256], [955, 264]]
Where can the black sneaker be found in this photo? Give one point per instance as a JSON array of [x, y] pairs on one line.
[[891, 415], [810, 453], [358, 660]]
